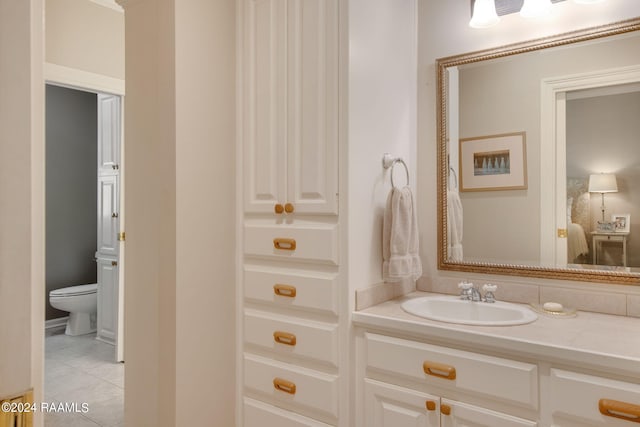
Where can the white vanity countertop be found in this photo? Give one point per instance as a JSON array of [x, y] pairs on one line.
[[593, 340]]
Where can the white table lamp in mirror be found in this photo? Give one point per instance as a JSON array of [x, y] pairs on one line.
[[603, 183]]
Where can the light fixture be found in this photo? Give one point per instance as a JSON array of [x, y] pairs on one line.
[[603, 183], [484, 14], [535, 8]]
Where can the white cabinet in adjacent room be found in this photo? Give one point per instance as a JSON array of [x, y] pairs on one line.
[[108, 134], [107, 300], [108, 215]]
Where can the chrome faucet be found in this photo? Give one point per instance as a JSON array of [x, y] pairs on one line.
[[475, 294], [470, 293]]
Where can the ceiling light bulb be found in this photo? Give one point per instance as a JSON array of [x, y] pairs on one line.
[[535, 8], [484, 14]]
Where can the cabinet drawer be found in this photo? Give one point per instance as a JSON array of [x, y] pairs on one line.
[[504, 379], [316, 341], [288, 288], [301, 388], [462, 414], [310, 242], [260, 414], [575, 399]]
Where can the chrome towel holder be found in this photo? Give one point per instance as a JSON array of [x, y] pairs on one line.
[[388, 161]]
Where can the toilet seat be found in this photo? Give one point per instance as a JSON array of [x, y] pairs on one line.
[[73, 291]]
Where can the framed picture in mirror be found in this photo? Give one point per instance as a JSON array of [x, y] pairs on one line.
[[621, 222], [493, 162]]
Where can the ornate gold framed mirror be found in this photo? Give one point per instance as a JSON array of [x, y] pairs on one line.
[[538, 89]]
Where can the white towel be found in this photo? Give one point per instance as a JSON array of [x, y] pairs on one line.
[[454, 225], [400, 237]]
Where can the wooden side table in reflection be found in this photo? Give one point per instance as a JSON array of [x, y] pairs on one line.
[[597, 237]]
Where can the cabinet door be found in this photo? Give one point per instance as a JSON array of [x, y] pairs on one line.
[[108, 216], [388, 405], [312, 111], [263, 110], [108, 134], [107, 300], [464, 415]]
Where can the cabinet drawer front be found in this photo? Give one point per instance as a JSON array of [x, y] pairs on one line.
[[302, 388], [260, 414], [387, 405], [305, 243], [316, 341], [575, 398], [504, 379], [317, 291]]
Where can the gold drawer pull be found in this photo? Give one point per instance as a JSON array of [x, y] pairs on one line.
[[284, 338], [439, 370], [284, 385], [284, 244], [622, 410], [288, 208], [278, 208], [284, 290], [445, 409], [431, 405]]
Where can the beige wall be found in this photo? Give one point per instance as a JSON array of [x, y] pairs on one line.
[[205, 210], [85, 36], [21, 198], [180, 298], [444, 31]]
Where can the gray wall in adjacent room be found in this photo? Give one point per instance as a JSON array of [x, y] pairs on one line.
[[71, 189]]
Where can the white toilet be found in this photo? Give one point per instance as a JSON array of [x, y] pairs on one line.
[[81, 302]]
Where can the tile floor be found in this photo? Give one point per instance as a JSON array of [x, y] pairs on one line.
[[82, 370]]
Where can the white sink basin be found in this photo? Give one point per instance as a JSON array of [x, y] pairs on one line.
[[454, 310]]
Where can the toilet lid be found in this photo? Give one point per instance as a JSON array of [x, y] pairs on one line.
[[75, 290]]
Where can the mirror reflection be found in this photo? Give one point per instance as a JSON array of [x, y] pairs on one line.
[[577, 107]]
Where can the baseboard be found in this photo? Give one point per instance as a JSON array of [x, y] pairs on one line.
[[56, 323]]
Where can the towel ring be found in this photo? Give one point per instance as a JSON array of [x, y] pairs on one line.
[[390, 162]]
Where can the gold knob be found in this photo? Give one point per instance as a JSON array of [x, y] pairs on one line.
[[439, 370], [617, 409], [284, 290], [284, 338], [284, 385], [445, 409], [284, 244], [431, 405], [288, 208], [278, 208]]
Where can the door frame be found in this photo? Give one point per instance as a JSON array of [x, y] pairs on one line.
[[58, 75], [553, 176]]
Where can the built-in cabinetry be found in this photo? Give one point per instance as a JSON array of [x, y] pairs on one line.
[[290, 269], [411, 382], [107, 254]]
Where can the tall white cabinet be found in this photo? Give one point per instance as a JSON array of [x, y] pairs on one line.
[[290, 272], [107, 254], [290, 114]]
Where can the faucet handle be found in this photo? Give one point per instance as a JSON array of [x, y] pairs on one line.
[[465, 288], [488, 290], [465, 285]]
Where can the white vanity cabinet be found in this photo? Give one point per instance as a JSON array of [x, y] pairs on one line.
[[578, 399], [413, 383], [290, 55]]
